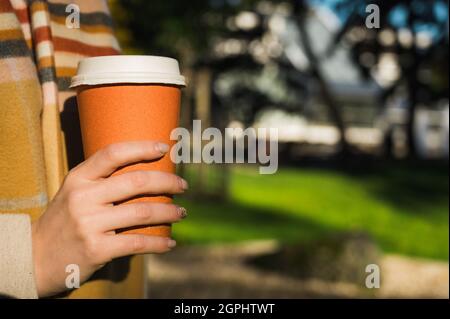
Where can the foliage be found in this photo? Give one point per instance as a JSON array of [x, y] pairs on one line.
[[414, 34]]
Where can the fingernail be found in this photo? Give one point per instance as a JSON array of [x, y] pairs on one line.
[[171, 243], [182, 211], [184, 184], [162, 147]]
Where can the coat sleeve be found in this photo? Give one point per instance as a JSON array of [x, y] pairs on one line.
[[16, 260]]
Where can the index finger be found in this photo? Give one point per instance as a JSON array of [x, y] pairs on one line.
[[105, 161]]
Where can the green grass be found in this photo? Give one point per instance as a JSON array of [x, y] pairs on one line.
[[403, 207]]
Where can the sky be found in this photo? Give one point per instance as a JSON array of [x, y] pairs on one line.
[[398, 17]]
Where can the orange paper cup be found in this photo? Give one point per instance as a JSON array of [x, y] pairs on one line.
[[130, 98]]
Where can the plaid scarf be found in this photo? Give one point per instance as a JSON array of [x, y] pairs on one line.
[[38, 56]]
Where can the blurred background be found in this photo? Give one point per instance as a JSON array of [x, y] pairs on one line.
[[363, 119]]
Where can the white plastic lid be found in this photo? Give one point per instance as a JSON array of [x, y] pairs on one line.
[[128, 69]]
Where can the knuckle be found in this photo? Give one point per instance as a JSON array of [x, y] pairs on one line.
[[81, 225], [112, 153], [142, 212], [92, 249], [71, 177], [138, 179], [74, 198], [138, 244]]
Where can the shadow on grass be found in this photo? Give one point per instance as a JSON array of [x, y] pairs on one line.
[[410, 185], [413, 186]]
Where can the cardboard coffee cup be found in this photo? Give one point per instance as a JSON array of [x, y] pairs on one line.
[[130, 98]]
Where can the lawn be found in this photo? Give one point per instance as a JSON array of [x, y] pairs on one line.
[[403, 207]]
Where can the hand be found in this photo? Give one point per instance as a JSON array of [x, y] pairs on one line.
[[79, 224]]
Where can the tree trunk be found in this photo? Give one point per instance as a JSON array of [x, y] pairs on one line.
[[326, 95], [410, 132], [412, 86]]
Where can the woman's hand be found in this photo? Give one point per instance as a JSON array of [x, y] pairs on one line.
[[79, 224]]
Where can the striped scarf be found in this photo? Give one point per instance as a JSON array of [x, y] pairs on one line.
[[38, 117]]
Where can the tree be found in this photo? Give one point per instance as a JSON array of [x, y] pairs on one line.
[[301, 10], [192, 30], [415, 32]]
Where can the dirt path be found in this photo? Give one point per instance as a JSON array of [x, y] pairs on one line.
[[222, 272]]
